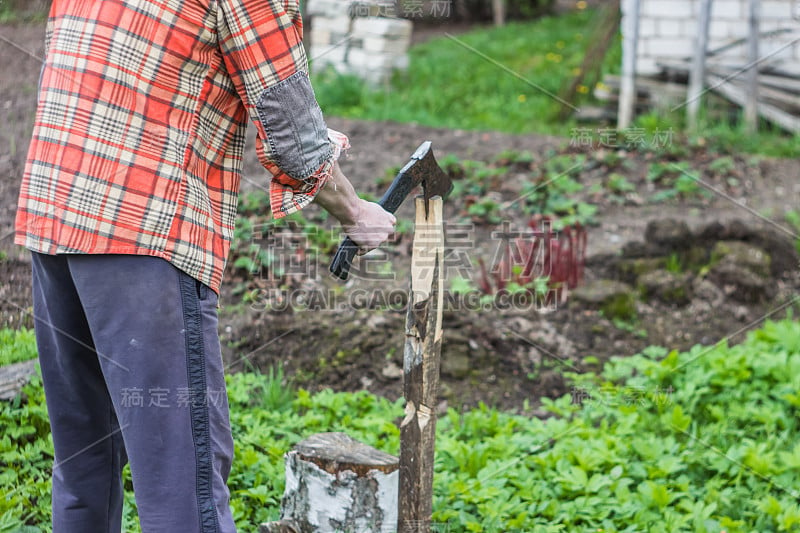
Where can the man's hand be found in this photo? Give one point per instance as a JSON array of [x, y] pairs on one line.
[[367, 223], [373, 226]]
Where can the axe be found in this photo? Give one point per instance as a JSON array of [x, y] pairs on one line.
[[422, 169]]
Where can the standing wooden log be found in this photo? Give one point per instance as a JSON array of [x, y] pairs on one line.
[[421, 369], [630, 46], [751, 106], [336, 484], [697, 73]]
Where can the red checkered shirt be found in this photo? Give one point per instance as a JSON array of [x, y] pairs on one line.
[[139, 133]]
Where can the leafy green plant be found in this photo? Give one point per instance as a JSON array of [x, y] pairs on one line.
[[263, 246], [676, 180], [485, 210], [514, 157], [631, 326], [255, 202], [451, 164], [662, 441], [722, 165], [619, 184], [674, 264], [17, 345], [554, 193], [473, 178], [665, 172]]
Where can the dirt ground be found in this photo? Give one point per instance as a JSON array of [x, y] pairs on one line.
[[507, 357]]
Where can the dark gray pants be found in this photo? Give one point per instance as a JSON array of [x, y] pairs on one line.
[[132, 371]]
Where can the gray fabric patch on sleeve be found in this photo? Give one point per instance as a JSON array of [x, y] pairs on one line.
[[298, 136]]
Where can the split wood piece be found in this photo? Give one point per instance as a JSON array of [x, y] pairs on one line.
[[784, 100], [784, 84], [649, 92], [15, 376], [421, 361], [737, 95], [768, 73], [336, 483], [781, 91]]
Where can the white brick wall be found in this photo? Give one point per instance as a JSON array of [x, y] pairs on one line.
[[368, 47], [671, 27], [668, 28]]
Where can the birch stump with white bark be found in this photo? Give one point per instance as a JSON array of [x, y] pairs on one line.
[[335, 483]]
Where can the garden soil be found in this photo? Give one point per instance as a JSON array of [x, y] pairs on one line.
[[509, 357]]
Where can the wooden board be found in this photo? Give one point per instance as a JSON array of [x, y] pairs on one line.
[[770, 112]]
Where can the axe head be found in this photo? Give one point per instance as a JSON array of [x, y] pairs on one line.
[[423, 170]]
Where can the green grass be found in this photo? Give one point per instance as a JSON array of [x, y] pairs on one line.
[[719, 132], [701, 441], [16, 346], [450, 85], [16, 11]]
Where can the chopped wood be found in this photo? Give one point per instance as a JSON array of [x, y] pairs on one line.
[[594, 114], [335, 483], [335, 452], [421, 361], [650, 92], [15, 376]]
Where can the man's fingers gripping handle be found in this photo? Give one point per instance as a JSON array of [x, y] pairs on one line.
[[373, 226]]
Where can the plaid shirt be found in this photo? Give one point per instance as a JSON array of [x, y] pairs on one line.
[[139, 133]]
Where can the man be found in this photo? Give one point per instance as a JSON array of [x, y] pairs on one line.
[[128, 204]]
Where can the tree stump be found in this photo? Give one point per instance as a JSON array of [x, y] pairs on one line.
[[336, 484]]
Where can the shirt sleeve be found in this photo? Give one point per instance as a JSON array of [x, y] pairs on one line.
[[285, 199], [261, 43]]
